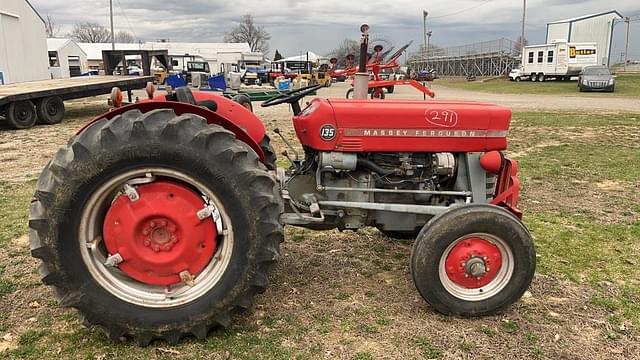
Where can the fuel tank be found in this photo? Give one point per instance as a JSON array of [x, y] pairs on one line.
[[402, 126]]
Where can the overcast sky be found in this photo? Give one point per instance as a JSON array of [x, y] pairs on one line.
[[319, 25]]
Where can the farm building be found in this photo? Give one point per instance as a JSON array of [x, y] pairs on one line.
[[23, 43], [596, 28], [94, 52], [215, 54], [66, 58]]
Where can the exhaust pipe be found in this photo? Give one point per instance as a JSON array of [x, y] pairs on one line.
[[361, 82]]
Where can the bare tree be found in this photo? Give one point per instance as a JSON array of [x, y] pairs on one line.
[[247, 31], [519, 44], [346, 47], [51, 26], [90, 33], [124, 37]]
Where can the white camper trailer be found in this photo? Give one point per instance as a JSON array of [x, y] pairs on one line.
[[560, 60]]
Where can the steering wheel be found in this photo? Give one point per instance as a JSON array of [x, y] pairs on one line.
[[291, 96]]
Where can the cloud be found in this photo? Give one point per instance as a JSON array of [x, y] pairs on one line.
[[300, 25]]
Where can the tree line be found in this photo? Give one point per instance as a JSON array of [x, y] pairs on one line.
[[88, 32]]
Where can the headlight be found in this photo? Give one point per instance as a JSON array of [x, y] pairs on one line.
[[610, 81], [585, 82]]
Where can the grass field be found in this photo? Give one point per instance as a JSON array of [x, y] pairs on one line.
[[626, 85], [349, 296]]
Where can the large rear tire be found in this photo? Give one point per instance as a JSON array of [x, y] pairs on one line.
[[473, 260], [78, 190]]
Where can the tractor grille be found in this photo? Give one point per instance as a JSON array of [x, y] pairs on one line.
[[597, 84], [352, 145]]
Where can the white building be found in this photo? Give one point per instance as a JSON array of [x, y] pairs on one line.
[[23, 43], [66, 58], [596, 28], [215, 54], [94, 52]]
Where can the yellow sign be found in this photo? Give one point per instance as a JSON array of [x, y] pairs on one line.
[[573, 52]]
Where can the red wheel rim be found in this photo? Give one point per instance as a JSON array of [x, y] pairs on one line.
[[473, 262], [159, 236]]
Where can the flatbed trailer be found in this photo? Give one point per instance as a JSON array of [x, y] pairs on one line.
[[22, 104]]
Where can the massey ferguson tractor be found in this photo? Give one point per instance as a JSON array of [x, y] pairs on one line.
[[163, 218]]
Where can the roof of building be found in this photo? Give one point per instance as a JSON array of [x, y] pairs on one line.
[[55, 44], [208, 51], [35, 11], [311, 56], [94, 50], [584, 17]]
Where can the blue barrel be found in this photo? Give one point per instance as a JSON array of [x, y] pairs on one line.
[[176, 81], [217, 83]]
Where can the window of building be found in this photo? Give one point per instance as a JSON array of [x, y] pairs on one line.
[[530, 57], [550, 56], [540, 56], [53, 59]]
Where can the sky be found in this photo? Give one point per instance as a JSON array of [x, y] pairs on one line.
[[297, 26]]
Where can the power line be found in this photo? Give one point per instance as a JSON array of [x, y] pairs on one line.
[[463, 10], [127, 19]]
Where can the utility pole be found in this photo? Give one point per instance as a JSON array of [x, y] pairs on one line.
[[425, 13], [113, 36], [626, 46], [524, 19]]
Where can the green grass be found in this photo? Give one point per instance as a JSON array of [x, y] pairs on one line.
[[582, 162], [429, 351], [14, 209], [626, 85], [6, 286], [572, 119]]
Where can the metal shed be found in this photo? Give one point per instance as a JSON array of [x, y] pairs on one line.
[[23, 43], [596, 28], [66, 58]]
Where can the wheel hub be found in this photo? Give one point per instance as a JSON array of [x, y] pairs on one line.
[[158, 235], [473, 263]]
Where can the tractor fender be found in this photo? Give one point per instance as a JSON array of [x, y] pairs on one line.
[[245, 125]]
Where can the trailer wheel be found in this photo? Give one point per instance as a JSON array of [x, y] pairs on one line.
[[533, 77], [50, 110], [171, 226], [473, 260], [541, 77], [21, 114]]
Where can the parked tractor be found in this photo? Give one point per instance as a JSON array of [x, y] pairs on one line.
[[161, 219]]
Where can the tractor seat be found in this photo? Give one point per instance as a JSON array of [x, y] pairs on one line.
[[183, 94]]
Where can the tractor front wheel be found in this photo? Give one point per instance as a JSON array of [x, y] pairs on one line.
[[156, 226], [473, 260]]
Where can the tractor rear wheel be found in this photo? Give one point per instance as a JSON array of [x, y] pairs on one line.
[[473, 260], [156, 226]]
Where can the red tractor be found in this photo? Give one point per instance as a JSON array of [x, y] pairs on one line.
[[161, 219]]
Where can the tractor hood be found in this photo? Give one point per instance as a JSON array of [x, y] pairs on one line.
[[403, 126]]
